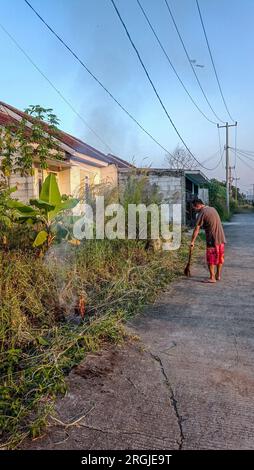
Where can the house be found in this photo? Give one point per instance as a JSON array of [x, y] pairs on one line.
[[82, 165]]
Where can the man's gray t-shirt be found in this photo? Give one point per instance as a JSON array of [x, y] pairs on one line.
[[209, 219]]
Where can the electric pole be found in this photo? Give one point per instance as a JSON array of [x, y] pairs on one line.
[[227, 165], [231, 179], [236, 179]]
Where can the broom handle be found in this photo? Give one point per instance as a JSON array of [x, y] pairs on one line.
[[190, 253]]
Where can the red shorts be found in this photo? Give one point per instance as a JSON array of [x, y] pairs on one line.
[[215, 255]]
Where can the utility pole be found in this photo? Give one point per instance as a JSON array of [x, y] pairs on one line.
[[227, 165], [236, 179], [231, 179]]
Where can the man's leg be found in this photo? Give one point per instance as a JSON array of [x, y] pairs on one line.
[[211, 258], [212, 272], [220, 249], [218, 274]]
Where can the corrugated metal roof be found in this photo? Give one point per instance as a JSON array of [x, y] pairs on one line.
[[196, 176]]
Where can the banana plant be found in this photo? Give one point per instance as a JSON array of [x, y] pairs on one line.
[[45, 211]]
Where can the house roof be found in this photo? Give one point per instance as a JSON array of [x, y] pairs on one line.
[[5, 119], [72, 142], [196, 176]]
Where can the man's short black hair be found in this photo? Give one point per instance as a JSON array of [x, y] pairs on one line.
[[197, 201]]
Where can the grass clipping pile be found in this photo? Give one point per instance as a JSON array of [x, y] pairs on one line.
[[57, 309]]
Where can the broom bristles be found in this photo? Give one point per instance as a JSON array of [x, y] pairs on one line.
[[187, 270]]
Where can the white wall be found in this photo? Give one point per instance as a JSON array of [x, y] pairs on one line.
[[25, 187]]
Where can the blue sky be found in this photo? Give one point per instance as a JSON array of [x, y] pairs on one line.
[[93, 30]]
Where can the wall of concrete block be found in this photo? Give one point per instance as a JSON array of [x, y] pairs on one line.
[[170, 184]]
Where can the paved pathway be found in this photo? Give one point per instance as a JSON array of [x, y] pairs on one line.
[[189, 384]]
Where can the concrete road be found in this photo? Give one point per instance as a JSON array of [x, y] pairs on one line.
[[189, 384], [203, 338]]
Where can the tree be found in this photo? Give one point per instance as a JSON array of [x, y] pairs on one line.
[[217, 197], [241, 198], [181, 159], [32, 139]]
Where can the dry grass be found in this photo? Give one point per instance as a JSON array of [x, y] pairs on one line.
[[41, 339]]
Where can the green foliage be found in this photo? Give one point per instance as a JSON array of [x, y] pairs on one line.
[[40, 239], [37, 347], [21, 145], [7, 151], [138, 190], [7, 214], [217, 199], [241, 198], [45, 212], [50, 192]]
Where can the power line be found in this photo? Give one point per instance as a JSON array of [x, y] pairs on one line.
[[248, 155], [95, 78], [149, 78], [236, 158], [152, 84], [219, 162], [53, 86], [219, 138], [189, 60], [172, 65], [221, 159], [249, 166], [235, 143], [220, 147], [251, 158], [213, 64], [212, 156], [243, 161], [106, 90], [251, 152]]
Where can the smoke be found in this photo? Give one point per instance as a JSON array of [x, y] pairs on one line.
[[103, 47], [102, 114]]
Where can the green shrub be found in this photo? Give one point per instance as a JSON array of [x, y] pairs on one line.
[[217, 199]]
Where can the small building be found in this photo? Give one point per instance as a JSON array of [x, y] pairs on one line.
[[175, 187]]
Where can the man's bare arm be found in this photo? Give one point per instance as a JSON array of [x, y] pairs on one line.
[[194, 235]]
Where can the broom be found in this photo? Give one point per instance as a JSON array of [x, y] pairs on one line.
[[187, 267]]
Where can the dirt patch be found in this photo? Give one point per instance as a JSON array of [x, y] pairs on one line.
[[98, 364]]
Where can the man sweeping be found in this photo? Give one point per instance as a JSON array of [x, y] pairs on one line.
[[209, 220]]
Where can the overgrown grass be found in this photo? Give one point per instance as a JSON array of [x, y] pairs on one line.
[[40, 340]]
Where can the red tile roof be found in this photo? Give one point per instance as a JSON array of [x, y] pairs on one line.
[[74, 143], [5, 119]]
